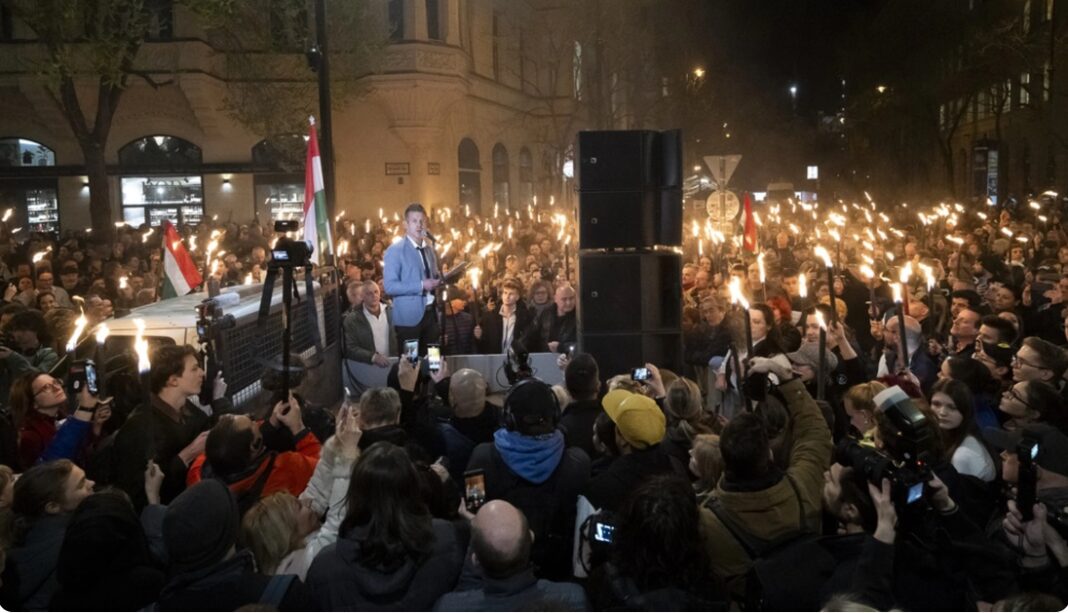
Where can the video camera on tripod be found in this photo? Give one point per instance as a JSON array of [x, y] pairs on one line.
[[286, 256]]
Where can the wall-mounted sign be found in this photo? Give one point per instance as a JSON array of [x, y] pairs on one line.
[[397, 168], [433, 168]]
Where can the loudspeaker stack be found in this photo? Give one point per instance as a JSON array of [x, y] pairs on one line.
[[630, 231]]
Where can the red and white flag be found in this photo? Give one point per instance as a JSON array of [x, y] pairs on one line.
[[180, 274], [316, 224], [749, 237]]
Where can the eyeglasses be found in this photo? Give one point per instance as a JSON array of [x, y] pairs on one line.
[[53, 386], [1017, 397], [1016, 359]]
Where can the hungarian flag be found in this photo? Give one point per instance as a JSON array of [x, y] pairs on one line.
[[749, 237], [180, 274], [316, 224]]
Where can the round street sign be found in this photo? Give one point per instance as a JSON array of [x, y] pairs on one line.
[[730, 206]]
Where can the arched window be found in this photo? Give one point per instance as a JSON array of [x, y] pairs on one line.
[[24, 152], [526, 177], [34, 202], [470, 175], [280, 189], [501, 185], [161, 152], [167, 182]]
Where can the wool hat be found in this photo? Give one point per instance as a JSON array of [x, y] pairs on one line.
[[808, 354], [637, 417], [200, 525]]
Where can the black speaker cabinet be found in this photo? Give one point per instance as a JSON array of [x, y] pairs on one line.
[[622, 160], [630, 292], [617, 354], [630, 219]]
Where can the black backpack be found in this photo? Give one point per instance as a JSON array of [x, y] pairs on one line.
[[784, 570]]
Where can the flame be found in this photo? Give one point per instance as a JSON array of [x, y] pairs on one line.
[[102, 332], [122, 282], [737, 297], [1007, 232], [79, 327], [141, 347], [7, 215], [367, 226], [896, 289], [906, 272], [928, 274], [37, 257], [819, 319], [867, 271], [760, 265], [144, 237], [474, 273], [802, 285], [822, 253]]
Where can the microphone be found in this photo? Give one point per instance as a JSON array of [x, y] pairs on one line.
[[427, 234]]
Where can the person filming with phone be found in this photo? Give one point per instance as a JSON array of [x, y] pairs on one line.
[[39, 403], [411, 275]]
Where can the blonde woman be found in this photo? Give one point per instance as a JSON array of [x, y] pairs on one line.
[[706, 463], [279, 530], [859, 405]]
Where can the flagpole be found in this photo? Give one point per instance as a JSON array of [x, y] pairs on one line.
[[326, 131]]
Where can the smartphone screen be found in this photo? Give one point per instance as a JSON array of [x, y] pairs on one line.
[[571, 351], [915, 493], [640, 374], [474, 489], [433, 358], [602, 532], [411, 350], [90, 379]]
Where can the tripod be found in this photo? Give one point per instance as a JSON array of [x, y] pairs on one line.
[[289, 289]]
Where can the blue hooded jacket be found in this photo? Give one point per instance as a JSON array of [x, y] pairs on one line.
[[533, 458]]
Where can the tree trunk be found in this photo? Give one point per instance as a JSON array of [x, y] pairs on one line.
[[99, 190]]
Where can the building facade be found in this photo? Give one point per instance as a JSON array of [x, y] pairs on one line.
[[472, 103], [1012, 135]]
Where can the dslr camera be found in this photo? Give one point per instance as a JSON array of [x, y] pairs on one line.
[[907, 463], [289, 252]]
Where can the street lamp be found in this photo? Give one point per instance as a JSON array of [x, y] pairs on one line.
[[698, 72], [880, 88]]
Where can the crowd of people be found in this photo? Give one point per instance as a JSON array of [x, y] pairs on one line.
[[825, 446]]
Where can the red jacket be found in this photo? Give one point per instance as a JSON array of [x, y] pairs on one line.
[[291, 471], [36, 433]]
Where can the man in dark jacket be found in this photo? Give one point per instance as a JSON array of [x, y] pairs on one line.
[[170, 429], [640, 427], [529, 466], [556, 326], [207, 574], [583, 381], [501, 543], [510, 322], [472, 421]]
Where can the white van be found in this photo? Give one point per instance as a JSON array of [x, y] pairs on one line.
[[243, 349]]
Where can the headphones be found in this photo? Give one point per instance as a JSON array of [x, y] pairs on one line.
[[508, 418]]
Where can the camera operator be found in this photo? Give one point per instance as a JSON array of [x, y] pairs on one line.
[[38, 403], [1050, 465], [761, 501], [170, 429], [238, 453]]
